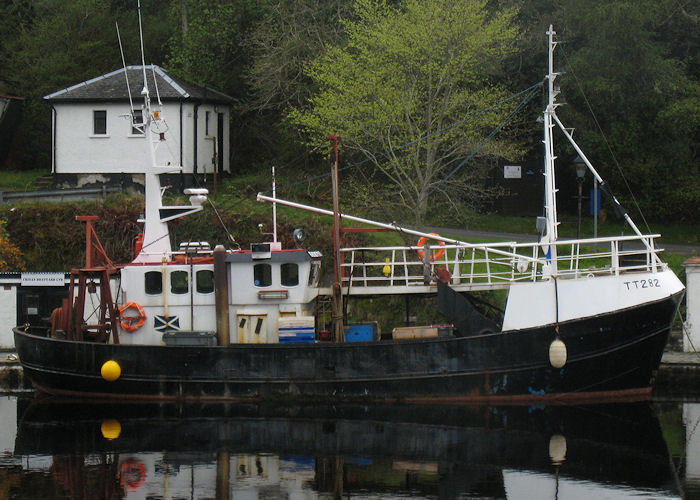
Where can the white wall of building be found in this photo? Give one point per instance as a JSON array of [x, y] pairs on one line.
[[691, 340], [80, 151], [205, 141], [8, 315]]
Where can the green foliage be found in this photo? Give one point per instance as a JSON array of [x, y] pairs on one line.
[[10, 255], [406, 72], [20, 180], [645, 102]]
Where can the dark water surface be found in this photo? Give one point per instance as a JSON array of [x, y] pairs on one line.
[[53, 449]]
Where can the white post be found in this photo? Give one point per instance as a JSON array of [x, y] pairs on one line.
[[274, 207], [595, 211], [691, 337]]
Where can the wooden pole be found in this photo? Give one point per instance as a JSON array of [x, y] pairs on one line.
[[338, 327]]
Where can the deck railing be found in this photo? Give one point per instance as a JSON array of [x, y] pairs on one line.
[[497, 265]]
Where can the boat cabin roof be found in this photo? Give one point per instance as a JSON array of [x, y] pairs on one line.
[[295, 255]]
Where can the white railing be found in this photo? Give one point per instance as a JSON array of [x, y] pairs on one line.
[[497, 265]]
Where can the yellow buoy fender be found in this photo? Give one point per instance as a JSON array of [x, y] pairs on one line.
[[111, 429], [111, 370], [557, 353]]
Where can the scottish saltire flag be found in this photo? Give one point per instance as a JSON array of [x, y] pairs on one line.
[[166, 323]]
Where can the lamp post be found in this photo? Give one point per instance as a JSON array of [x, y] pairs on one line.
[[581, 168]]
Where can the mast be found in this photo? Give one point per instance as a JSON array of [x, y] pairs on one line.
[[156, 239], [550, 188]]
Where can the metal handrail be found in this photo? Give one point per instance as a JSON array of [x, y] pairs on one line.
[[498, 264]]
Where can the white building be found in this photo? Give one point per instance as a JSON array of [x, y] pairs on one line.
[[94, 140]]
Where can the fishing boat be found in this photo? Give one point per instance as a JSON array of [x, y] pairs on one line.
[[583, 319]]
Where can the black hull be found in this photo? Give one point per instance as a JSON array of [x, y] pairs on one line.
[[610, 355]]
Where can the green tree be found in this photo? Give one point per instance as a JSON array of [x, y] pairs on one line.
[[409, 70], [632, 89]]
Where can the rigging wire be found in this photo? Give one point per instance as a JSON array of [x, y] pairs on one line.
[[605, 139]]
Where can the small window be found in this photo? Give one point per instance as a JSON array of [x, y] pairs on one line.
[[137, 119], [206, 122], [205, 281], [179, 282], [153, 282], [314, 273], [289, 274], [99, 122], [262, 275]]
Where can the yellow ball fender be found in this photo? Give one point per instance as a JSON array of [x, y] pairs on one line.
[[111, 429], [111, 370]]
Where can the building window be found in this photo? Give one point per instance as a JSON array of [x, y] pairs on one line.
[[99, 122], [153, 283], [262, 275], [205, 281], [206, 122], [289, 275], [137, 119], [179, 282]]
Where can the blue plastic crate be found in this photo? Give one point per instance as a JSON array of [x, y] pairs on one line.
[[364, 332]]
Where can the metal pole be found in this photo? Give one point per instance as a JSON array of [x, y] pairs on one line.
[[274, 207], [580, 195]]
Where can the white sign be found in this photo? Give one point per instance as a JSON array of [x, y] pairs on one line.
[[43, 279], [511, 172]]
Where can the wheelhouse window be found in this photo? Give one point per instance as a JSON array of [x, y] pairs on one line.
[[137, 119], [315, 273], [205, 281], [99, 122], [262, 275], [153, 282], [179, 282], [289, 275]]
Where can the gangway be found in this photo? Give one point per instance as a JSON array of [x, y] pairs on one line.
[[396, 270]]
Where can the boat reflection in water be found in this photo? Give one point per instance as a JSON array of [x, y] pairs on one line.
[[232, 451]]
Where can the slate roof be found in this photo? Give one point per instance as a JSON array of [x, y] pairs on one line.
[[112, 87]]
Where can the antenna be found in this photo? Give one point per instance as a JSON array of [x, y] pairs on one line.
[[143, 62], [128, 88], [153, 70]]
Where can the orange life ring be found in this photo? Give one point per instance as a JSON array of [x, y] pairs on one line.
[[132, 475], [132, 323], [434, 256]]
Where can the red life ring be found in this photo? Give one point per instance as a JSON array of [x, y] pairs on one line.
[[132, 475], [434, 256], [132, 323]]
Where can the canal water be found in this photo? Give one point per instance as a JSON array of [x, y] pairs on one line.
[[58, 449]]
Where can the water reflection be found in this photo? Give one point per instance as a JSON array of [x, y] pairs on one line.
[[88, 451]]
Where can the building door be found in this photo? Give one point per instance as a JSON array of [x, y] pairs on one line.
[[35, 304], [220, 142]]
